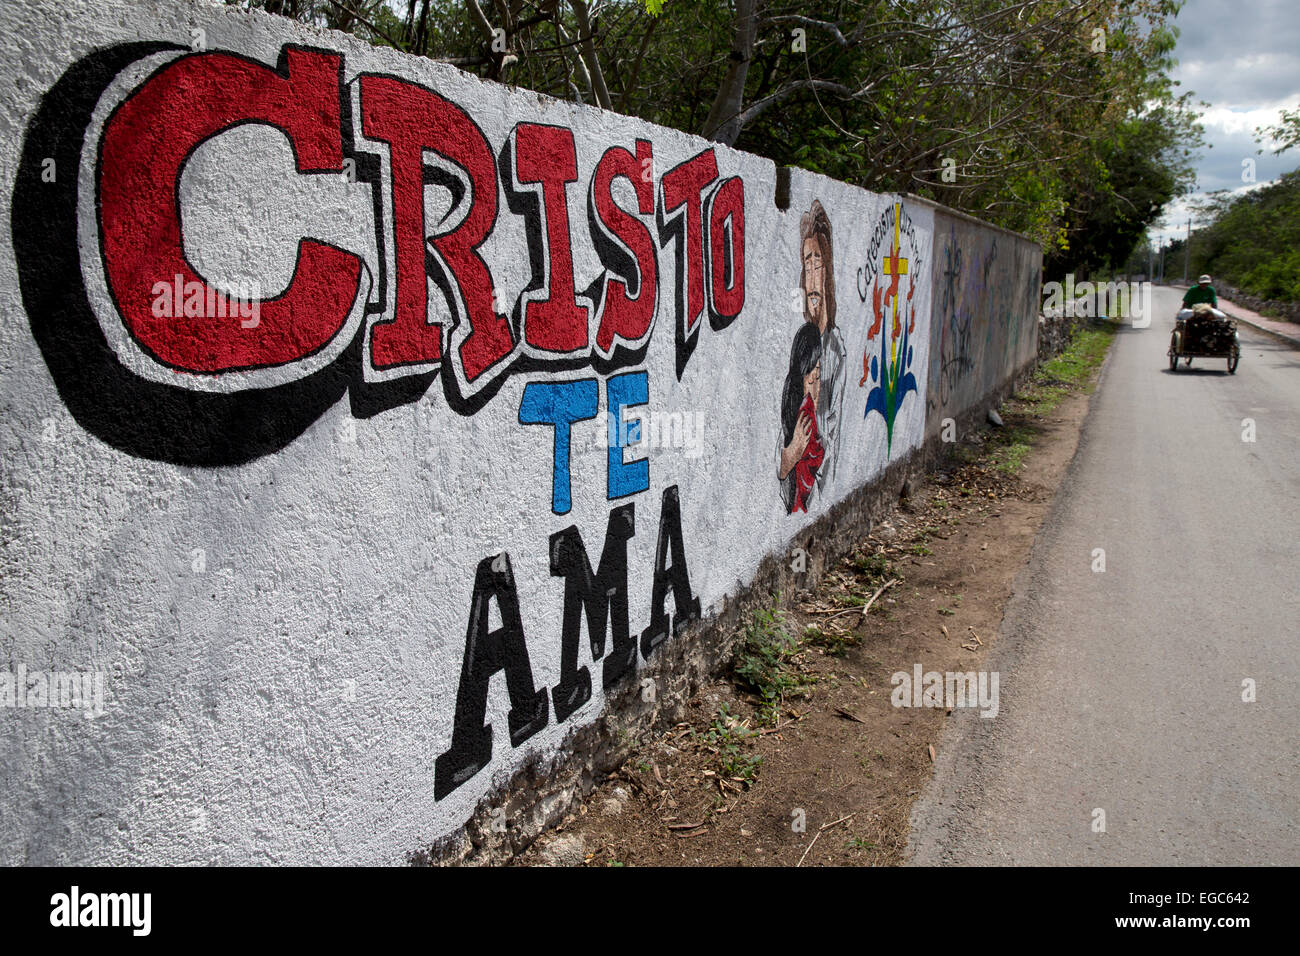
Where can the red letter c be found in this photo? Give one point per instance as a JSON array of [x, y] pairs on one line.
[[145, 144]]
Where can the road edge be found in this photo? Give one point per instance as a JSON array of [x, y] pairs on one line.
[[938, 809]]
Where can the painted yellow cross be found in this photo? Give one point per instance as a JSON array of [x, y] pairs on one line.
[[894, 265]]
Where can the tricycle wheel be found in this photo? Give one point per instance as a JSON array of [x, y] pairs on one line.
[[1234, 359], [1173, 361]]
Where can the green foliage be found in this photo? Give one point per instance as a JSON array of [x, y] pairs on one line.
[[833, 643], [1009, 451], [1038, 126], [1285, 134], [729, 738], [1073, 369], [725, 730], [1070, 370], [1137, 167], [1085, 352], [1253, 241], [874, 566], [762, 661]]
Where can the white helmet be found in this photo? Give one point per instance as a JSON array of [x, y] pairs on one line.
[[1203, 279]]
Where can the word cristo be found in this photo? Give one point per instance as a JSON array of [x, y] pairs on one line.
[[400, 137]]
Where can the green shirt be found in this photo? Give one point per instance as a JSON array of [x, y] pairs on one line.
[[1200, 293]]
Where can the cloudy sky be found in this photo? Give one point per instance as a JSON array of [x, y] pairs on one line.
[[1243, 58]]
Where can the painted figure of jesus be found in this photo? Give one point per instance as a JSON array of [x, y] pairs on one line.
[[817, 283]]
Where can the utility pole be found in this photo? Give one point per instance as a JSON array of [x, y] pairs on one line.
[[1187, 253]]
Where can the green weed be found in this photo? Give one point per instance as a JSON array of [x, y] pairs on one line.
[[762, 662]]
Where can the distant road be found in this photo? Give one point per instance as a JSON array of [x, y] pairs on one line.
[[1122, 690]]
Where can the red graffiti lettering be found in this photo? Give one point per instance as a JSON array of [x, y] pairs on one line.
[[545, 155], [397, 140], [726, 212], [686, 184], [624, 316], [412, 120], [145, 145]]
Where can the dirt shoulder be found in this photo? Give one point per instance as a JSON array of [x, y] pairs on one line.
[[799, 757]]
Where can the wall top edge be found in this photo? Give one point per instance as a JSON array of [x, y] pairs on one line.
[[974, 220]]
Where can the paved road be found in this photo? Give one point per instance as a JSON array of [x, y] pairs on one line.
[[1122, 690]]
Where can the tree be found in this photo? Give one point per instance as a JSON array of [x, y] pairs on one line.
[[1252, 240], [1045, 116], [1285, 134]]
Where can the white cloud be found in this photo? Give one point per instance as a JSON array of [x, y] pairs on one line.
[[1173, 225], [1230, 121]]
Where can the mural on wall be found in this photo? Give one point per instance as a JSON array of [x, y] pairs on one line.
[[388, 349], [953, 321], [986, 295], [399, 419], [180, 386], [813, 392], [888, 368]]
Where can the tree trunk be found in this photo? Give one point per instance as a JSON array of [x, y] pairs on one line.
[[724, 123], [587, 50]]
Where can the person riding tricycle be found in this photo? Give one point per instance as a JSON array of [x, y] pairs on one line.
[[1203, 291], [1201, 330]]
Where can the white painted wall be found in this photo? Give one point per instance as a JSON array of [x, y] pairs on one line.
[[282, 639]]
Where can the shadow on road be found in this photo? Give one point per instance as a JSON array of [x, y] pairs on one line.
[[1222, 372]]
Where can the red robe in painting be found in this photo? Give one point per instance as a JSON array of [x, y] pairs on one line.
[[805, 471]]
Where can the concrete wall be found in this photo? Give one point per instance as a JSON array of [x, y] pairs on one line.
[[368, 428], [987, 295]]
